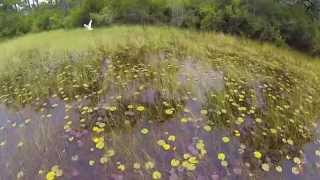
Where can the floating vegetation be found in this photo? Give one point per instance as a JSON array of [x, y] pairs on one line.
[[161, 114]]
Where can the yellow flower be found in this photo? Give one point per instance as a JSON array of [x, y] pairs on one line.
[[257, 154], [273, 131], [104, 160], [193, 160], [221, 156], [169, 111], [113, 108], [172, 138], [258, 120], [165, 103], [297, 160], [99, 142], [184, 120], [202, 153], [226, 139], [144, 131], [96, 139], [236, 133], [175, 162], [186, 110], [295, 170], [140, 108], [207, 128], [58, 172], [130, 106], [91, 162], [101, 124], [149, 165], [204, 112], [100, 145], [240, 120], [265, 167], [161, 142], [156, 175], [290, 141], [85, 85], [97, 129], [136, 166], [166, 147], [50, 175], [71, 139], [189, 166], [242, 108], [110, 153], [224, 163], [186, 156], [279, 169], [200, 145], [121, 167]]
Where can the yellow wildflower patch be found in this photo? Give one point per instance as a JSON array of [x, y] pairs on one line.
[[140, 108], [221, 156], [172, 138], [144, 131], [207, 128], [169, 111], [257, 154], [226, 139], [175, 162], [156, 175], [121, 167]]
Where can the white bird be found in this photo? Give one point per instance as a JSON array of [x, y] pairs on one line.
[[89, 26]]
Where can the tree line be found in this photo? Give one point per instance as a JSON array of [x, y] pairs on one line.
[[294, 23]]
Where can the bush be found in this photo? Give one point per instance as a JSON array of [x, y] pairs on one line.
[[20, 26], [293, 23], [47, 19], [104, 17], [80, 15]]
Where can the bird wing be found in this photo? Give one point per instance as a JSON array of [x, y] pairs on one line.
[[90, 23]]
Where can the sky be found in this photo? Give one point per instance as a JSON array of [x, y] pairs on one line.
[[40, 1]]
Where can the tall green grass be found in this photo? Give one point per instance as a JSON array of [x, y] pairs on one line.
[[79, 40]]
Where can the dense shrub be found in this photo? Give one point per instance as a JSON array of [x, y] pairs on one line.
[[12, 24], [46, 19], [284, 22]]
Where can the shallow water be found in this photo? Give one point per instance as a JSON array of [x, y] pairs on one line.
[[46, 143], [185, 121]]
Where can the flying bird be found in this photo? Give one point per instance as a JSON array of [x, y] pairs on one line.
[[88, 26]]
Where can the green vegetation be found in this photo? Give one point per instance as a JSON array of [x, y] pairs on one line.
[[284, 22], [156, 102]]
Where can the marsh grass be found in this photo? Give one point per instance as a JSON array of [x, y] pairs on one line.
[[122, 89]]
